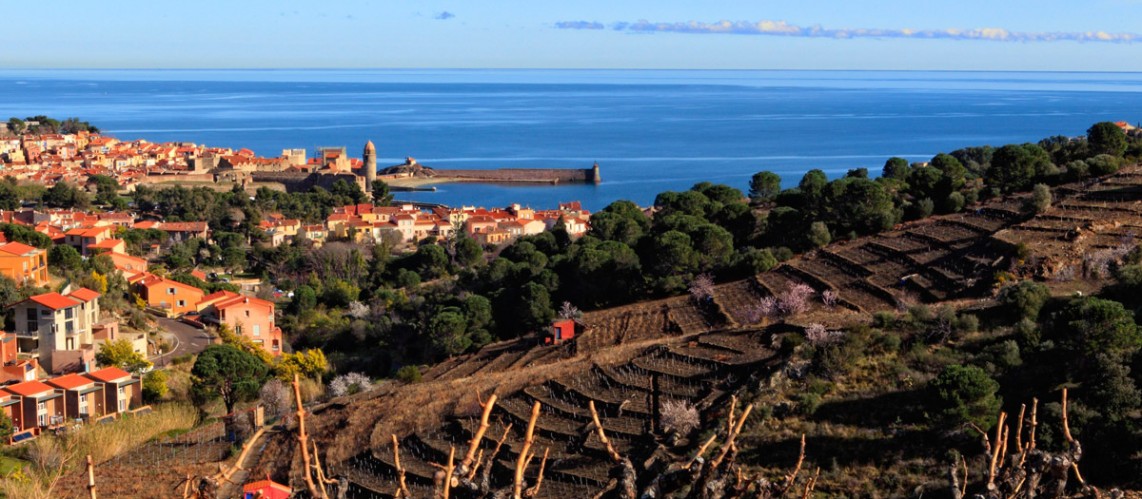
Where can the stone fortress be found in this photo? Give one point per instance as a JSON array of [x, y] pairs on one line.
[[297, 172]]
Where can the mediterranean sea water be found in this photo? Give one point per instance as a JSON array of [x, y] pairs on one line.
[[650, 131]]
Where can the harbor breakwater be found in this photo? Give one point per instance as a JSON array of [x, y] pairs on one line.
[[522, 175]]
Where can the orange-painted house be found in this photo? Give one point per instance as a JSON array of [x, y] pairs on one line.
[[24, 264], [169, 295], [83, 239], [246, 315]]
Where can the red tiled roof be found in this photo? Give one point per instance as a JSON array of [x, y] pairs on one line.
[[87, 232], [243, 299], [109, 375], [29, 389], [70, 382], [127, 262], [184, 226], [218, 295], [152, 280], [268, 489], [106, 244], [18, 249], [54, 301], [84, 294]]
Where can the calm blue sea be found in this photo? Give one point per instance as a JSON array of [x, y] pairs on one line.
[[650, 131]]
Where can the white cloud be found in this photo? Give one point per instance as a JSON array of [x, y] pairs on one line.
[[782, 28]]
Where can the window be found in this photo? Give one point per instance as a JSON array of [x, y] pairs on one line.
[[83, 405], [68, 313], [170, 291], [182, 303], [247, 313], [257, 329]]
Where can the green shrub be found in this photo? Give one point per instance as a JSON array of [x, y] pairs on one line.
[[1028, 333], [966, 394], [888, 342], [790, 342], [819, 234], [920, 314], [155, 385], [967, 323], [409, 374], [1004, 355], [1025, 299], [883, 319], [818, 386], [1040, 198], [183, 359], [808, 403]]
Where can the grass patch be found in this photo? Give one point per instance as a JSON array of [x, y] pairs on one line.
[[104, 441], [9, 465]]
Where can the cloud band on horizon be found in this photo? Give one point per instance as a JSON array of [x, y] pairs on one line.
[[782, 28]]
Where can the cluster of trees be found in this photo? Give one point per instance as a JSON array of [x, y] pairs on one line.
[[856, 205], [236, 371], [236, 208], [945, 376], [101, 190], [1091, 344], [39, 125]]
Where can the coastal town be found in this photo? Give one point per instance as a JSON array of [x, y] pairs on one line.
[[50, 373], [280, 310]]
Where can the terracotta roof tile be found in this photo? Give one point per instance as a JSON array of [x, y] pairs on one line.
[[84, 294], [70, 382], [30, 389], [54, 301], [109, 375]]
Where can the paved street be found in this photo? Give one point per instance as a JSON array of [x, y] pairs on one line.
[[186, 339]]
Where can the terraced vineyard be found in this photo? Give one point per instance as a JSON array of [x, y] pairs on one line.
[[627, 395], [646, 321], [1084, 219], [630, 360], [937, 259]]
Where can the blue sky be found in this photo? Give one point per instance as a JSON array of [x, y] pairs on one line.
[[1092, 35]]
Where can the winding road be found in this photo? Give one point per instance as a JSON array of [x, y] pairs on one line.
[[186, 339]]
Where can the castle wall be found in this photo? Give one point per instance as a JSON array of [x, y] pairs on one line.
[[303, 182]]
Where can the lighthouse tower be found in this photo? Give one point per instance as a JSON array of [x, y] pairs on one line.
[[370, 157]]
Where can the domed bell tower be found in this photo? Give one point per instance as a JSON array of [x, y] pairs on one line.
[[370, 157]]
